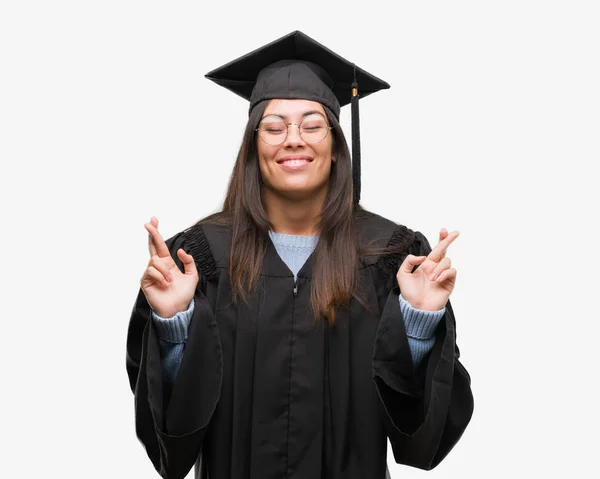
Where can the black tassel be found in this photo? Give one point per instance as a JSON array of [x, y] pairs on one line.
[[355, 141]]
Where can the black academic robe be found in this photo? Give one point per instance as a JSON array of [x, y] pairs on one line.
[[266, 392]]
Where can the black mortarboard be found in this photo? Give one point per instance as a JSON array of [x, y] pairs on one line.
[[296, 66]]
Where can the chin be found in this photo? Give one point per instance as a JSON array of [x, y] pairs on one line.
[[295, 191]]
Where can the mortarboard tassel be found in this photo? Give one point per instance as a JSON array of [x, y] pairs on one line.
[[355, 140]]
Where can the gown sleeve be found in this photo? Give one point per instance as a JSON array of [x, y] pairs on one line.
[[172, 433], [426, 411]]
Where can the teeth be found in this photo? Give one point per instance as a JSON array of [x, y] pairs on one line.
[[294, 162]]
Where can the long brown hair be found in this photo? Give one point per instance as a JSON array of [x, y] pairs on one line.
[[336, 255]]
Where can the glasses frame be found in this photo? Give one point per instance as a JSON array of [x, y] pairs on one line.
[[287, 132]]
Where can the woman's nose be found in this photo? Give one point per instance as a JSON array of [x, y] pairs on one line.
[[293, 136]]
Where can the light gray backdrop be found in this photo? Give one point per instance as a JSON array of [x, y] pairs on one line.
[[490, 127]]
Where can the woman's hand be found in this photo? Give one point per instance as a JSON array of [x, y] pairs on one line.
[[429, 287], [167, 290]]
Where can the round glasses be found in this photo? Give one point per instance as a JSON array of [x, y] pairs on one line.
[[274, 130]]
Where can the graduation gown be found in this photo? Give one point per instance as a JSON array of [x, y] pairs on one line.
[[264, 391]]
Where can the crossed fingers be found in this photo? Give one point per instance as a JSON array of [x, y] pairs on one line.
[[439, 252], [156, 243]]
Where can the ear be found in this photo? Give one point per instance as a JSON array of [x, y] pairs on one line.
[[333, 159]]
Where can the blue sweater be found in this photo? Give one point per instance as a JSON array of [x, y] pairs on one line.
[[294, 250]]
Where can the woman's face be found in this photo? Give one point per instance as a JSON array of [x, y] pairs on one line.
[[295, 169]]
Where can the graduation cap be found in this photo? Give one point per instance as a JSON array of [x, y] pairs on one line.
[[296, 66]]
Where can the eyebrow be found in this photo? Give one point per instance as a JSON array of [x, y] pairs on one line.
[[304, 115]]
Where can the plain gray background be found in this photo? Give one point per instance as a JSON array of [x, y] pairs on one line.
[[490, 127]]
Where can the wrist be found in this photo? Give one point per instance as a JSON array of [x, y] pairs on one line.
[[422, 306], [168, 314]]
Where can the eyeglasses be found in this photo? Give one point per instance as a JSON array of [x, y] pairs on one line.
[[274, 130]]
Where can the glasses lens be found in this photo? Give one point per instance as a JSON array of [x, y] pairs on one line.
[[273, 130], [314, 128]]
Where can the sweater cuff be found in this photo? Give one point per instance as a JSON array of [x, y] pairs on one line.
[[175, 328], [419, 324]]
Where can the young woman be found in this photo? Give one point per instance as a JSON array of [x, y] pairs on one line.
[[289, 335]]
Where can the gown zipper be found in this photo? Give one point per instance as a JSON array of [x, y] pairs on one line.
[[287, 467]]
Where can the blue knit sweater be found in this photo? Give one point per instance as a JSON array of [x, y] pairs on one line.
[[294, 250]]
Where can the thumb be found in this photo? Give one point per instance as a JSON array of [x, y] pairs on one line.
[[189, 264], [410, 262]]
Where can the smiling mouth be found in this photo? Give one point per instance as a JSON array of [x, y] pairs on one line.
[[299, 161]]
